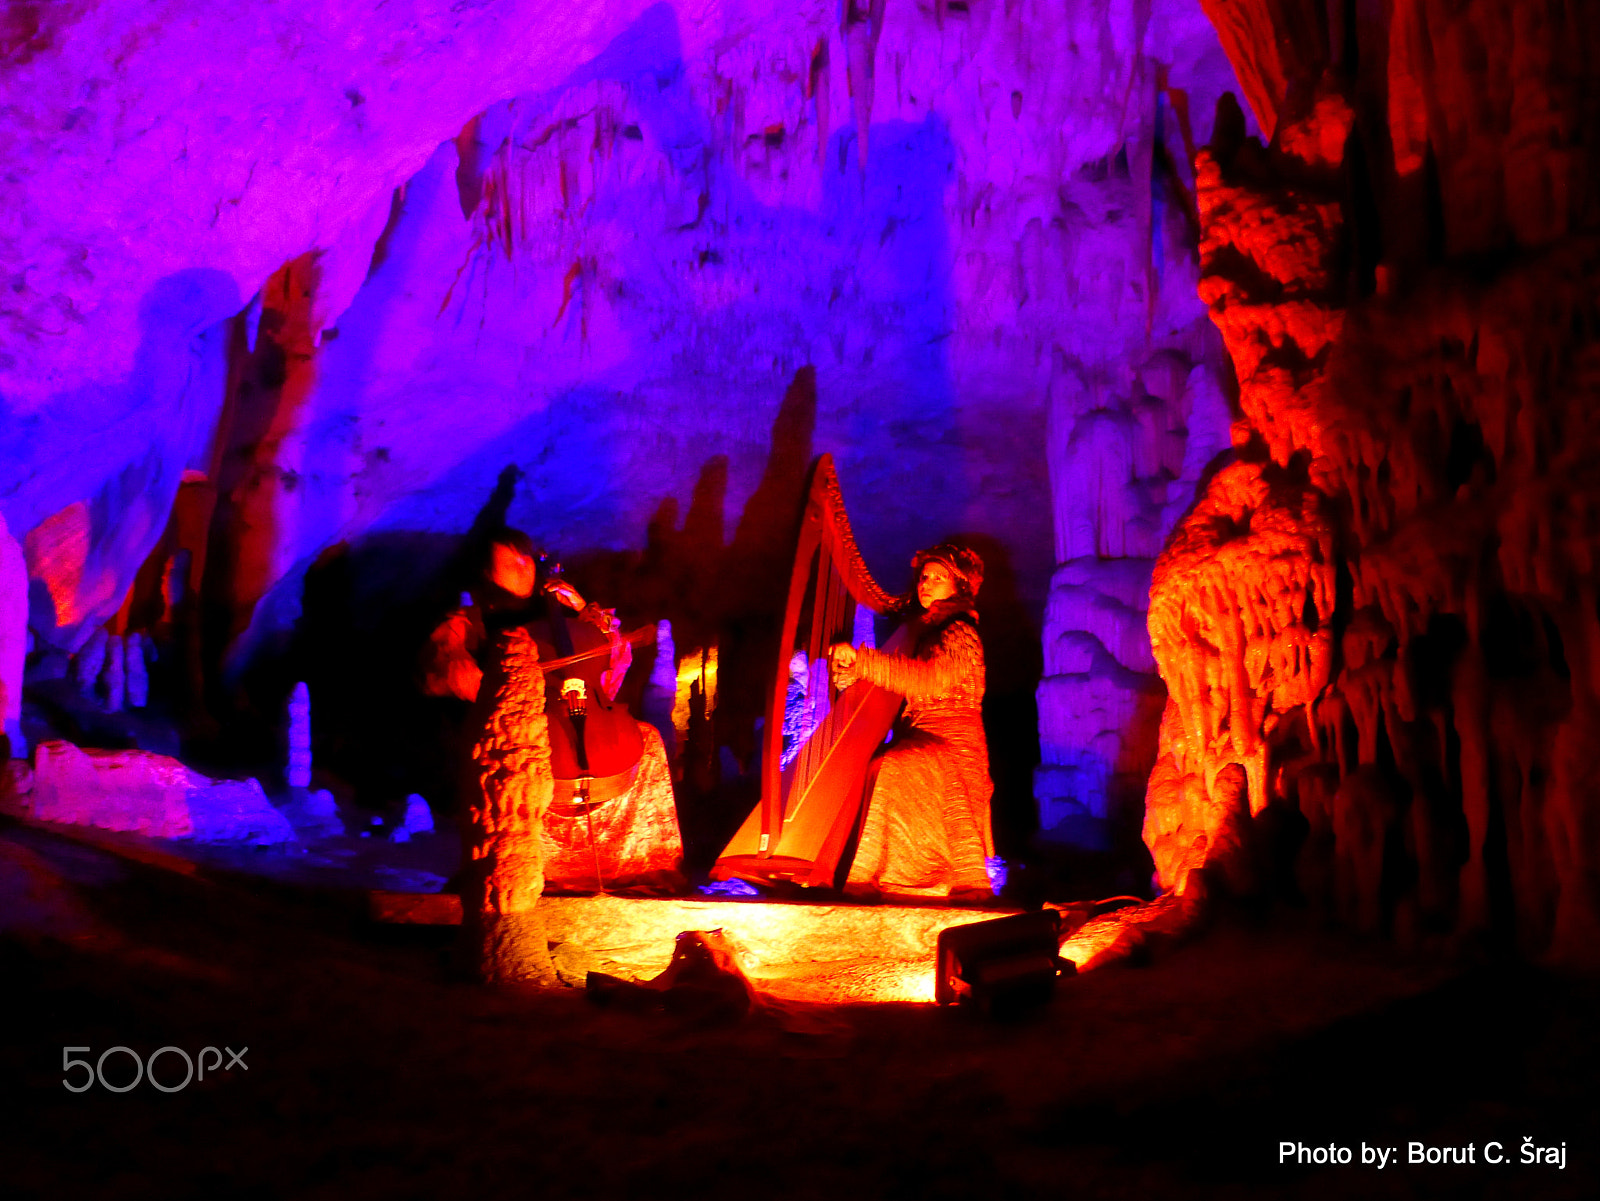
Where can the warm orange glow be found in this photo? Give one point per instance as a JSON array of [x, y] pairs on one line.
[[1229, 601], [1090, 944], [1117, 935], [696, 670], [835, 954], [912, 984]]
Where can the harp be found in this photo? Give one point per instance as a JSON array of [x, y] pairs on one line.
[[811, 794]]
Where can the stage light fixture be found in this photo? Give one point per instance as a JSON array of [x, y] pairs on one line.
[[1009, 963]]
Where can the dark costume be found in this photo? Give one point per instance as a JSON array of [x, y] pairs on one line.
[[454, 661]]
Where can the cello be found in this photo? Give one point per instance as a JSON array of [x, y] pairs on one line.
[[595, 746]]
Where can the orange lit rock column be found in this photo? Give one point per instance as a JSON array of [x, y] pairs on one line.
[[504, 875], [1242, 596], [1405, 278]]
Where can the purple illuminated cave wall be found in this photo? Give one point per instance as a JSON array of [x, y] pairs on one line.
[[346, 266]]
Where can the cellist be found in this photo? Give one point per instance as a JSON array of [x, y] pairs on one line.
[[508, 596], [627, 841]]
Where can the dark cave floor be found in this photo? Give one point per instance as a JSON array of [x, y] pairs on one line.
[[371, 1072]]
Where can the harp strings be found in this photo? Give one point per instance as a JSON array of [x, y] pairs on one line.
[[832, 620], [811, 751]]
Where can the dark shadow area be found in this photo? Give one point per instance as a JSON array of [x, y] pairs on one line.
[[368, 610], [677, 575], [1179, 1078], [753, 576], [1472, 1062], [732, 597], [1013, 662]]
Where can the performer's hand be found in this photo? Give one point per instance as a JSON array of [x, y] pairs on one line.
[[843, 655], [566, 594]]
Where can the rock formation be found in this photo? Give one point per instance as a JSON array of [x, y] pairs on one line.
[[1137, 406], [145, 793], [1383, 612], [504, 873], [13, 640], [333, 272], [343, 289]]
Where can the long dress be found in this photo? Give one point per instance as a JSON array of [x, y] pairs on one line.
[[636, 844], [926, 831]]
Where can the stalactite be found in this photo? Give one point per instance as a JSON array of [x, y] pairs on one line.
[[860, 29], [116, 675], [817, 81]]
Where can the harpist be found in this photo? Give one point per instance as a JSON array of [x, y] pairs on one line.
[[926, 830]]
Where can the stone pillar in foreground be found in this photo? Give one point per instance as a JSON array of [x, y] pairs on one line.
[[504, 875]]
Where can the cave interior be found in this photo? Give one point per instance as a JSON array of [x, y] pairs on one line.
[[1246, 341]]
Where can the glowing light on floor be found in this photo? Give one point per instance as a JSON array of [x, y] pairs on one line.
[[911, 984], [841, 954]]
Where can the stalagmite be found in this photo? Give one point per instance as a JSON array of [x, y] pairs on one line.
[[417, 819], [1236, 626], [90, 662], [664, 671], [136, 671], [660, 690], [504, 875], [1137, 416], [115, 679], [298, 771]]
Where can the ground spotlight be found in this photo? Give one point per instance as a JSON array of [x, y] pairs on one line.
[[1006, 964]]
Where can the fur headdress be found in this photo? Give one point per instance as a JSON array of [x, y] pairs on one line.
[[964, 564]]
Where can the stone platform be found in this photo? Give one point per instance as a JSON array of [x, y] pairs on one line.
[[791, 949], [794, 950]]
